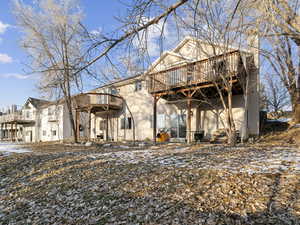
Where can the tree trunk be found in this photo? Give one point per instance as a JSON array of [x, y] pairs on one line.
[[232, 137], [297, 107]]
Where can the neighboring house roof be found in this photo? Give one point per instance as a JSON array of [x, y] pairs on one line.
[[37, 103]]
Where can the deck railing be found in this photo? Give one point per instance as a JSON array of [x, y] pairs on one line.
[[98, 99], [195, 73], [13, 117]]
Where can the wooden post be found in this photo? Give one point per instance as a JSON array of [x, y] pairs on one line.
[[77, 125], [189, 121], [90, 126], [106, 127], [16, 132], [155, 99], [11, 131], [2, 131]]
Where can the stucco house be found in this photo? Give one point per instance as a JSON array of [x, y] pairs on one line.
[[177, 93], [169, 93], [22, 124]]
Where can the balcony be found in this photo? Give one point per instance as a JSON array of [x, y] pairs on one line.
[[97, 102], [16, 117], [197, 73]]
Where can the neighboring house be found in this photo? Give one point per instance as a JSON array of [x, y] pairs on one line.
[[169, 92], [22, 124]]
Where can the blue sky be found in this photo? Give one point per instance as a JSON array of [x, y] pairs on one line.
[[15, 87]]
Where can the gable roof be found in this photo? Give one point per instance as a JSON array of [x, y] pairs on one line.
[[37, 103]]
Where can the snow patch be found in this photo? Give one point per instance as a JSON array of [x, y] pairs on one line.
[[8, 148]]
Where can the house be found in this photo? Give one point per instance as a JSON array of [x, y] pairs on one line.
[[171, 93], [22, 124], [177, 93]]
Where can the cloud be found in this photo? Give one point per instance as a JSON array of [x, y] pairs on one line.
[[3, 27], [4, 58], [16, 76], [156, 38], [95, 32]]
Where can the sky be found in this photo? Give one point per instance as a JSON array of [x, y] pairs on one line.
[[15, 83]]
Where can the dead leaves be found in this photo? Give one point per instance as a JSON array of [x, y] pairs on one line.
[[211, 185]]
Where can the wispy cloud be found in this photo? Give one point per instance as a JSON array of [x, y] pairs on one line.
[[96, 32], [16, 76], [3, 27], [4, 58]]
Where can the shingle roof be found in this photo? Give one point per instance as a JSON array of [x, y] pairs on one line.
[[37, 102]]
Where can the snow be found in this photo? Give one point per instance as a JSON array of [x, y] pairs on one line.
[[276, 159], [8, 148]]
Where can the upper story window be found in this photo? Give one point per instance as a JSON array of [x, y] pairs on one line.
[[138, 85], [114, 91], [50, 111], [28, 114]]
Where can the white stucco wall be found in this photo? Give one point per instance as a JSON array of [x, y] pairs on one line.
[[52, 124]]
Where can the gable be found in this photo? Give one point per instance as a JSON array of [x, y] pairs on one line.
[[167, 60], [196, 49]]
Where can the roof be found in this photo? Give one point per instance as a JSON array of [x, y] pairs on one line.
[[37, 103], [119, 81]]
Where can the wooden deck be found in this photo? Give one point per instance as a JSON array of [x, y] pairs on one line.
[[16, 117], [200, 73], [98, 102]]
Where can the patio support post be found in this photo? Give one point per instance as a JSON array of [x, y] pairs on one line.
[[16, 132], [106, 126], [11, 131], [77, 125], [2, 131], [90, 125], [155, 100], [189, 121]]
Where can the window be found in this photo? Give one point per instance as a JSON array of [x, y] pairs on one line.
[[54, 133], [114, 91], [161, 121], [50, 111], [126, 123], [44, 133], [138, 85], [28, 114], [103, 125]]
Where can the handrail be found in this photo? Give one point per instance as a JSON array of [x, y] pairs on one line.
[[93, 99], [16, 116], [201, 71]]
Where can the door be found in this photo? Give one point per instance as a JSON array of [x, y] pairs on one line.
[[178, 126]]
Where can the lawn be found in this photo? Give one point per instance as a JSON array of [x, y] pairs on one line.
[[167, 184]]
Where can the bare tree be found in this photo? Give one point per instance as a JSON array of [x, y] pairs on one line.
[[277, 97], [279, 18], [284, 59], [54, 40]]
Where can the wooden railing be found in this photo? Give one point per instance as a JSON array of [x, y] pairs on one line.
[[195, 73], [98, 99], [16, 116]]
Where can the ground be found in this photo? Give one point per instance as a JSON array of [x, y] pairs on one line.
[[165, 184]]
